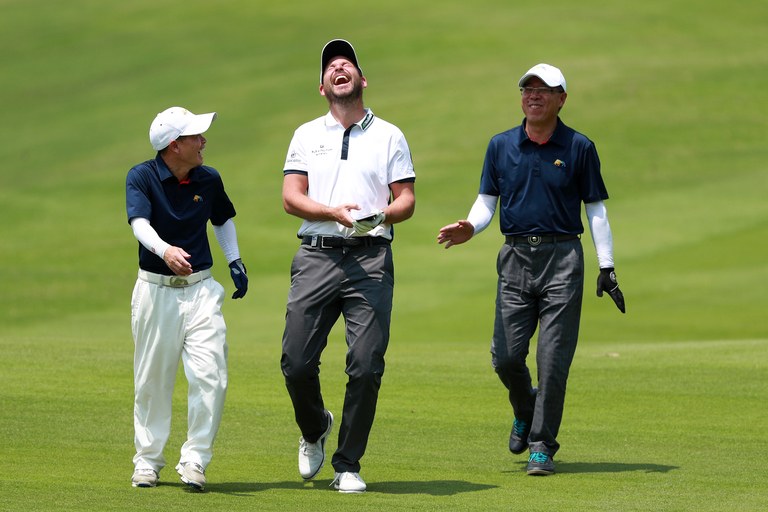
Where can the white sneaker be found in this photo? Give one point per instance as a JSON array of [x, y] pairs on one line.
[[349, 483], [192, 474], [144, 478], [312, 455]]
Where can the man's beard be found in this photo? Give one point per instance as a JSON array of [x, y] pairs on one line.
[[351, 98]]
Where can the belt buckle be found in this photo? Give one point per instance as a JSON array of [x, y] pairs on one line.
[[534, 240], [322, 242], [177, 281]]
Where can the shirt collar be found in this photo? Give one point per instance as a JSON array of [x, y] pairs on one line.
[[557, 136], [364, 123], [164, 173]]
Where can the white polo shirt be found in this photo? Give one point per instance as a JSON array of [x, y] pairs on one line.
[[349, 166]]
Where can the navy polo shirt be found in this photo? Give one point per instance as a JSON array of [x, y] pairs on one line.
[[541, 186], [178, 211]]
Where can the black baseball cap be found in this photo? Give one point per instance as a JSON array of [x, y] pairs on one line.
[[334, 48]]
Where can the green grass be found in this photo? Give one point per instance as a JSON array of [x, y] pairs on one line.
[[665, 409], [648, 425]]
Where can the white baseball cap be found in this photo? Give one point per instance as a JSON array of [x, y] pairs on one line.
[[550, 75], [335, 48], [175, 122]]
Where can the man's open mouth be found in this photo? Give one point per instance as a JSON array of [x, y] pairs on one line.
[[341, 80]]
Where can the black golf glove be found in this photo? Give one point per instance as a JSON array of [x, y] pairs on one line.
[[606, 282], [239, 277]]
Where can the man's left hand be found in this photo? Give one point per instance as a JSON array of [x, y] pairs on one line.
[[363, 226], [239, 277], [606, 282]]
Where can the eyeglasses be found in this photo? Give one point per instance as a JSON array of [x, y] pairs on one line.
[[527, 91]]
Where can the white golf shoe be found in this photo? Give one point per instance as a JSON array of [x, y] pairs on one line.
[[192, 474], [144, 478], [312, 455], [349, 482]]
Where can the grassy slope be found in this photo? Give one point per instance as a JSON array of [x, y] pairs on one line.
[[666, 89]]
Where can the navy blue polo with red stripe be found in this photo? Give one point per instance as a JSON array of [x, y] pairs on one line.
[[178, 211]]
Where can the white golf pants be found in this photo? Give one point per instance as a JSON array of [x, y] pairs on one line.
[[168, 324]]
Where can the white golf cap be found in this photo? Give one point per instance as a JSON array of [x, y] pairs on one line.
[[335, 48], [175, 122], [550, 75]]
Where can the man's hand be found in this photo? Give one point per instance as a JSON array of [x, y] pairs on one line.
[[606, 282], [239, 277], [363, 226], [176, 259], [456, 233]]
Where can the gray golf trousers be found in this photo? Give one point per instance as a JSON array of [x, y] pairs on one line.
[[357, 283], [538, 286]]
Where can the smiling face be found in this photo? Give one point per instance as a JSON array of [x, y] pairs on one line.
[[540, 102], [189, 150], [342, 82]]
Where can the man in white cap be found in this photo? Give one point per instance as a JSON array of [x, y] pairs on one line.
[[540, 173], [350, 177], [176, 304]]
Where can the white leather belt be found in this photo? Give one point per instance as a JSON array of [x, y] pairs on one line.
[[174, 281]]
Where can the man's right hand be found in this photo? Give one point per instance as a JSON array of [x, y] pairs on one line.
[[343, 214], [456, 233], [176, 259]]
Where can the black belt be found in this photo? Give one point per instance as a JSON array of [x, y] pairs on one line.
[[535, 240], [338, 242]]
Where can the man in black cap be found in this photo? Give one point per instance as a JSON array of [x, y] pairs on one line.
[[349, 176]]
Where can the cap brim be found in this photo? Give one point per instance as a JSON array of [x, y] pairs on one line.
[[199, 124], [527, 76]]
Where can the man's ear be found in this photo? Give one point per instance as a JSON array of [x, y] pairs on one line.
[[173, 147]]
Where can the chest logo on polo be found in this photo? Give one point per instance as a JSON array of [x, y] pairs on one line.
[[197, 199], [322, 150], [560, 163]]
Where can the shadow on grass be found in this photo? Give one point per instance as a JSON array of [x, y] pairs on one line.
[[612, 467], [246, 488], [433, 487], [606, 467]]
